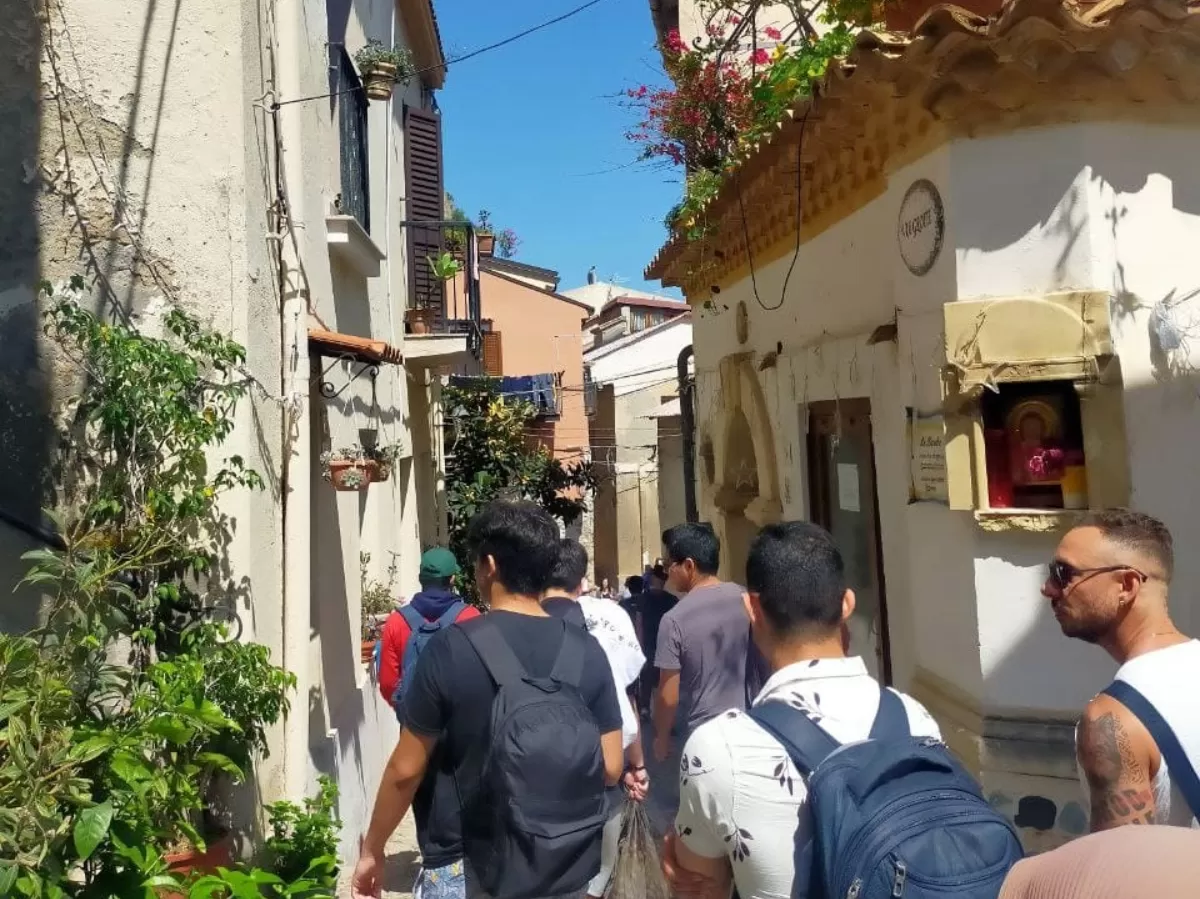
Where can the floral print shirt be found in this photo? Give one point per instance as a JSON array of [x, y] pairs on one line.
[[739, 794]]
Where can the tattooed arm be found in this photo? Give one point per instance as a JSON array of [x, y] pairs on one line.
[[1115, 753]]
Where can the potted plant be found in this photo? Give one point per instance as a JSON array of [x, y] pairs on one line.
[[378, 600], [385, 458], [421, 318], [485, 237], [349, 470], [382, 67], [445, 267]]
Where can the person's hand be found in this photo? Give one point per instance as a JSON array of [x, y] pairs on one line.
[[683, 883], [367, 882], [662, 748], [637, 784]]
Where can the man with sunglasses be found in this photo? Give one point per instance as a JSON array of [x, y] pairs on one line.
[[1138, 742]]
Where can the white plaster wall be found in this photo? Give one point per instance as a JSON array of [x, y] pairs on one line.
[[645, 359], [1108, 207]]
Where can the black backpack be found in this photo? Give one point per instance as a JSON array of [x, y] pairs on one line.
[[534, 822]]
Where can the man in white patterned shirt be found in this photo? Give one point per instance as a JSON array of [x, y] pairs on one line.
[[741, 799]]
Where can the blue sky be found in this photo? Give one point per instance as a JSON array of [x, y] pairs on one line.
[[528, 127]]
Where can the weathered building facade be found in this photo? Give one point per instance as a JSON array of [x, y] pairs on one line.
[[224, 159], [954, 316]]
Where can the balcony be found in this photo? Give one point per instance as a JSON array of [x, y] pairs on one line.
[[442, 320]]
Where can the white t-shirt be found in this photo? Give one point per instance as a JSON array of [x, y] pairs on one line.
[[739, 794], [611, 626]]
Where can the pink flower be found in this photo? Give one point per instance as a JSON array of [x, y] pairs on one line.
[[773, 33], [760, 57]]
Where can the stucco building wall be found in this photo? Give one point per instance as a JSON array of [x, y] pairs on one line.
[[1103, 207], [142, 153], [540, 332]]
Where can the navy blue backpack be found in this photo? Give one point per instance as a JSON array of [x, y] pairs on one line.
[[420, 633], [893, 816]]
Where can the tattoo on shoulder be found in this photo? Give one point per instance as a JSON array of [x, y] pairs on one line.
[[1118, 783]]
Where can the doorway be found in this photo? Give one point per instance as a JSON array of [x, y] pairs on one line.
[[842, 499]]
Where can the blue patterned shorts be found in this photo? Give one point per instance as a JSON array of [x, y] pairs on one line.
[[449, 882]]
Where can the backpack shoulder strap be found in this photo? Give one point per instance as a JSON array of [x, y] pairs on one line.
[[806, 743], [411, 616], [891, 721], [451, 614], [1183, 774], [495, 653], [568, 666]]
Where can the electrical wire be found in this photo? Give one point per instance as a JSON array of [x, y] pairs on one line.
[[799, 215], [446, 63]]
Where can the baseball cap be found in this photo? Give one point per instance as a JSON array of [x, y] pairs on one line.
[[438, 563]]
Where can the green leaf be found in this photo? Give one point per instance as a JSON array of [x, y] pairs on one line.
[[8, 877], [91, 828]]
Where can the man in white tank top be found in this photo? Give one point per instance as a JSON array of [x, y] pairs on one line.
[[1108, 585]]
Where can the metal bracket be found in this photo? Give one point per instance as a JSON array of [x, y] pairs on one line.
[[371, 369]]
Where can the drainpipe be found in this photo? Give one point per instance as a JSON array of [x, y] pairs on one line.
[[687, 418], [297, 506]]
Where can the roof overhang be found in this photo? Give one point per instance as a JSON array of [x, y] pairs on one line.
[[335, 345], [429, 350], [425, 40], [897, 97]]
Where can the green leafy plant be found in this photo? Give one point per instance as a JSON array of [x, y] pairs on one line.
[[489, 457], [378, 597], [376, 54], [304, 835], [118, 714], [445, 267]]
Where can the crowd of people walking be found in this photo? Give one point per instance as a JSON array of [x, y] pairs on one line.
[[525, 729]]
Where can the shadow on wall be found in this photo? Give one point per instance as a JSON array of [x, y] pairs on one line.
[[1054, 208], [24, 389]]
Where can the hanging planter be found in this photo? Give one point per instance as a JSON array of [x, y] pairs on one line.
[[487, 243], [385, 458], [349, 470], [382, 67]]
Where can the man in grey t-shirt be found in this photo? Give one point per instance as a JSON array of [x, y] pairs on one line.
[[706, 660]]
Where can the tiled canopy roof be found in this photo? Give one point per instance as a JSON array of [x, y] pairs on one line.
[[897, 96]]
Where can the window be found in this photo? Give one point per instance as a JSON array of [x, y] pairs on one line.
[[1033, 446], [352, 134]]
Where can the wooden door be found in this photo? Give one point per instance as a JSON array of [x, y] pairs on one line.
[[843, 500]]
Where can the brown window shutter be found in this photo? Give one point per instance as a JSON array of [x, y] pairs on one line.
[[425, 192], [493, 357]]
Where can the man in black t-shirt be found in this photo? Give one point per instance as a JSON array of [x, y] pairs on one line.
[[653, 604], [513, 545]]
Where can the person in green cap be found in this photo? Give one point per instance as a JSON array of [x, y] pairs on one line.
[[409, 628]]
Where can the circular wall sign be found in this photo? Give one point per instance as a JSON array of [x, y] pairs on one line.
[[922, 227]]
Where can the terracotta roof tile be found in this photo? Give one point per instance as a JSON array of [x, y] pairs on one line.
[[332, 343]]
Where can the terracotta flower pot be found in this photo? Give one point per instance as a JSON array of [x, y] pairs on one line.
[[487, 244], [368, 651], [420, 321], [380, 80], [352, 476], [190, 860]]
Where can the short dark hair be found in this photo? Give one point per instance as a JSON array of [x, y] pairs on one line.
[[522, 538], [569, 568], [799, 576], [437, 582], [635, 583], [696, 541], [1138, 531]]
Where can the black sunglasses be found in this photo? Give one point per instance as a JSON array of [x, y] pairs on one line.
[[1063, 573]]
